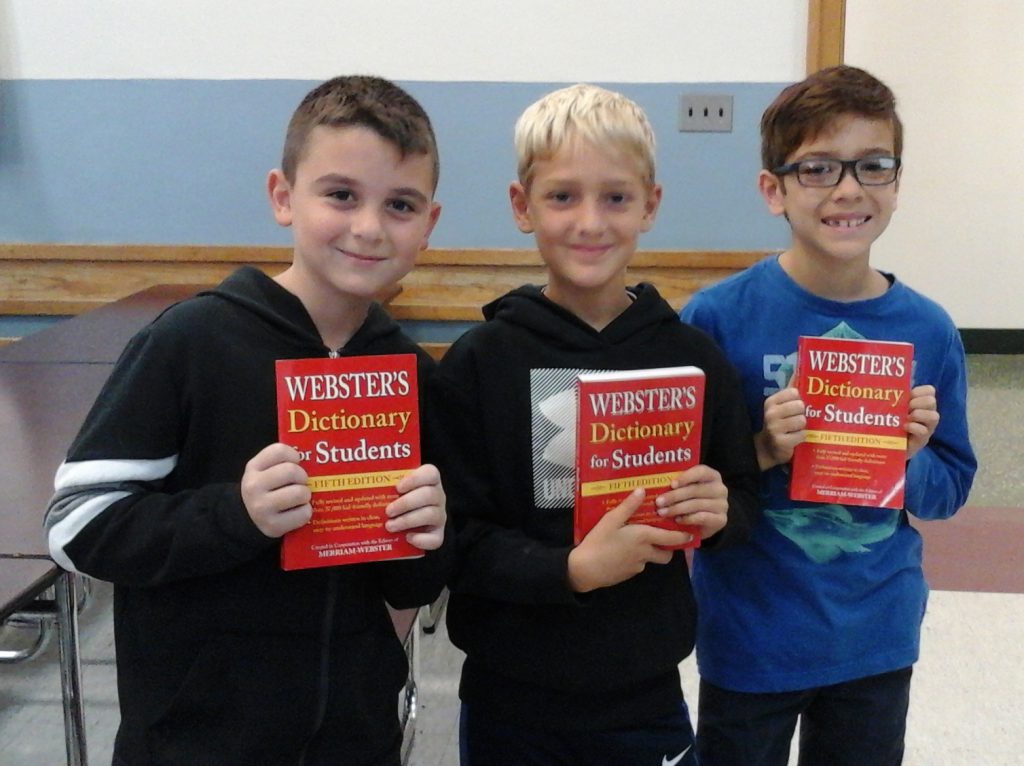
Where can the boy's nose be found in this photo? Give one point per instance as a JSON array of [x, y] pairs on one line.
[[591, 218], [848, 185], [366, 223]]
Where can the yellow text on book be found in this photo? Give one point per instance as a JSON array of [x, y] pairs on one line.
[[355, 481], [626, 484], [857, 440]]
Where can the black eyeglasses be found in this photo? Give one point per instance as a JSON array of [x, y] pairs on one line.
[[823, 172]]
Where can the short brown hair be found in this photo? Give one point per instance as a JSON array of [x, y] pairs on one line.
[[359, 100], [805, 110]]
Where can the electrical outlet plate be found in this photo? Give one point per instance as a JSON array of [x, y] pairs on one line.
[[705, 113]]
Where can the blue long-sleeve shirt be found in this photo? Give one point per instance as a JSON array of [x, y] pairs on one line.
[[825, 593]]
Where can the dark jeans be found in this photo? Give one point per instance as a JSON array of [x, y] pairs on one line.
[[486, 741], [856, 723]]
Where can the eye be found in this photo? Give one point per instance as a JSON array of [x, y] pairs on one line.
[[618, 198], [816, 168], [875, 164], [342, 195], [558, 196], [402, 206]]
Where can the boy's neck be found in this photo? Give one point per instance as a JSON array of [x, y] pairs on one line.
[[832, 279], [336, 317], [597, 308]]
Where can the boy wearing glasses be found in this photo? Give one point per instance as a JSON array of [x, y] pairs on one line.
[[818, 616]]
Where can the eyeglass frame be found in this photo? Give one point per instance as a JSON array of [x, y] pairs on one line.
[[845, 165]]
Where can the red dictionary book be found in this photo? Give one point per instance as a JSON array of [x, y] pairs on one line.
[[355, 420], [635, 429], [856, 395]]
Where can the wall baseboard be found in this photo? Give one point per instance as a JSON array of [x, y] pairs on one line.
[[981, 341]]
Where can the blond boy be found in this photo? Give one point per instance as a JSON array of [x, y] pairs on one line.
[[572, 652]]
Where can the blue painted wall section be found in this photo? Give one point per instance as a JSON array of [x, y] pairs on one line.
[[185, 162]]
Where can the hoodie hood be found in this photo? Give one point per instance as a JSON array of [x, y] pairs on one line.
[[284, 314], [529, 308]]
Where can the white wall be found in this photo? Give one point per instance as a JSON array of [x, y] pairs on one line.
[[473, 40], [958, 72]]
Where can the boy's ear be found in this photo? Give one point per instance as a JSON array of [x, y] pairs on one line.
[[280, 192], [520, 207], [774, 193], [435, 213], [651, 207]]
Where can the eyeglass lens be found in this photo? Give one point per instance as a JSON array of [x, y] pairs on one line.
[[869, 171]]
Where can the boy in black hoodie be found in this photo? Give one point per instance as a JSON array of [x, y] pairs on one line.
[[573, 652], [177, 490]]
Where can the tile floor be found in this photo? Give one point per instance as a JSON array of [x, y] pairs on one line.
[[968, 694]]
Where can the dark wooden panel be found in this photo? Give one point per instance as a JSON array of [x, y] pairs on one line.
[[21, 580], [42, 407], [99, 335]]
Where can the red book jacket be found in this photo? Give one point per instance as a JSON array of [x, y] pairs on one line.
[[635, 429], [856, 394], [355, 421]]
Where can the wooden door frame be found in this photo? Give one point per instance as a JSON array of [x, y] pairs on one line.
[[826, 29]]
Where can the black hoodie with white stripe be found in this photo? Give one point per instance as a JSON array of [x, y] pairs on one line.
[[222, 656]]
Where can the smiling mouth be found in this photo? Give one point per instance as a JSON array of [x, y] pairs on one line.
[[591, 249], [845, 223], [364, 258]]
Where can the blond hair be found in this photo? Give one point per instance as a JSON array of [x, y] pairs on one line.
[[599, 116]]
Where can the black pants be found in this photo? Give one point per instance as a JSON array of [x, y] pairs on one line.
[[856, 723], [489, 741]]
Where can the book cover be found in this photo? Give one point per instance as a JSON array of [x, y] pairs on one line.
[[856, 395], [635, 429], [355, 421]]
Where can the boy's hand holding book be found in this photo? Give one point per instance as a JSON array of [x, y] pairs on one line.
[[420, 509], [699, 498], [923, 418], [275, 492], [615, 550], [784, 427]]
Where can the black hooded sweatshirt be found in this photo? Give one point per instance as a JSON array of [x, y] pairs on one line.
[[222, 657], [537, 653]]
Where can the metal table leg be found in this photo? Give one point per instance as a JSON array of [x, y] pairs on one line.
[[70, 668]]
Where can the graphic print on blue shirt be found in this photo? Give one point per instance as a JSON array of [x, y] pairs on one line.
[[824, 532]]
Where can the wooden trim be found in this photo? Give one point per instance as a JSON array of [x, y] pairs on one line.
[[436, 350], [446, 285], [147, 253], [826, 33]]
